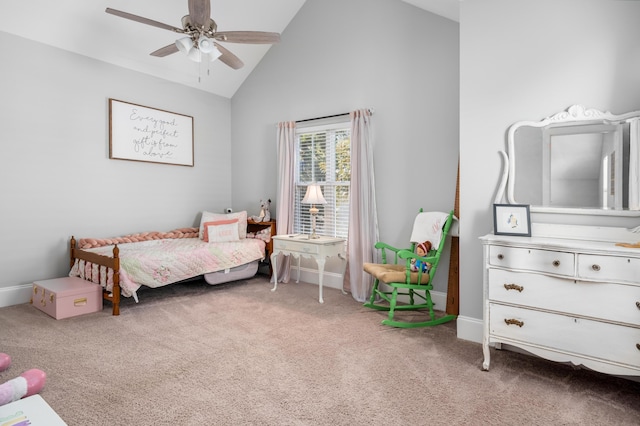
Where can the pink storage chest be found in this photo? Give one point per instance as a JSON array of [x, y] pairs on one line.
[[66, 297]]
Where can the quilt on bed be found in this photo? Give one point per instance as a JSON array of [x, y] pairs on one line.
[[156, 263]]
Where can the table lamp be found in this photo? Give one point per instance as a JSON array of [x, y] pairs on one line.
[[313, 196]]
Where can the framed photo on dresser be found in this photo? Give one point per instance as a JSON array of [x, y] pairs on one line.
[[512, 219]]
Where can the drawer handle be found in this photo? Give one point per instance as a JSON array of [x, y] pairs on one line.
[[514, 287], [512, 321], [556, 263], [500, 256], [595, 267]]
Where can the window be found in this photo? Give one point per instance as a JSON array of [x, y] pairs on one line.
[[323, 156]]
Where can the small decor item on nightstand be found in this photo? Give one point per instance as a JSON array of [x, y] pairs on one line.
[[265, 212], [66, 297], [313, 196], [512, 219]]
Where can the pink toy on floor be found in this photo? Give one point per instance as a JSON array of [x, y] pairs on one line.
[[5, 361], [28, 383]]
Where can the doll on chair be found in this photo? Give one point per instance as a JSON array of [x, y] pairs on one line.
[[422, 250]]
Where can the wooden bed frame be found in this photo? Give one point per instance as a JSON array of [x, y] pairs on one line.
[[112, 263]]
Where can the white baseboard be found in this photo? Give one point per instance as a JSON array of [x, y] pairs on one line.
[[329, 279], [15, 295], [469, 329]]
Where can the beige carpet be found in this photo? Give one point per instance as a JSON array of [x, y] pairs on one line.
[[238, 354]]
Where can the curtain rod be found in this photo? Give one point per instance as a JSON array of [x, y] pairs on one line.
[[329, 116]]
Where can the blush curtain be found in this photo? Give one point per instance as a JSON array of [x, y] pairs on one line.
[[363, 217], [286, 145]]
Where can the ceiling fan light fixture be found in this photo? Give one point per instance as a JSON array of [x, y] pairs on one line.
[[185, 45], [214, 54], [205, 45], [195, 55]]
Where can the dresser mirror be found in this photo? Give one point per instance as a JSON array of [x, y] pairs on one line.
[[580, 160]]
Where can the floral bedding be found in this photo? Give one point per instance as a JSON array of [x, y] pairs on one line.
[[156, 263]]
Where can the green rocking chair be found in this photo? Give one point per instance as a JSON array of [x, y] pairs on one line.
[[406, 279]]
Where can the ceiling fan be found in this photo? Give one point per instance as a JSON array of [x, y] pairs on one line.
[[201, 35]]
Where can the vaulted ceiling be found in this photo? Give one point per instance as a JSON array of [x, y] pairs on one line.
[[83, 27]]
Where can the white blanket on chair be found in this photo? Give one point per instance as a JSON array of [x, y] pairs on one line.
[[428, 227]]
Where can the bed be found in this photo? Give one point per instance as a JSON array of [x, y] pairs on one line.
[[220, 251]]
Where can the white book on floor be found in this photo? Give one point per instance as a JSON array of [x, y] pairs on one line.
[[32, 411]]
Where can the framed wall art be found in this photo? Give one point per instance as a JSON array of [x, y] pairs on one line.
[[512, 219], [140, 133]]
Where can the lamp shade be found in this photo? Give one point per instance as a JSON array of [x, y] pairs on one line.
[[195, 55], [314, 195], [214, 54], [205, 45], [197, 52], [184, 44]]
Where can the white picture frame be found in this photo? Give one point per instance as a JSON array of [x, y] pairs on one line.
[[140, 133], [512, 219]]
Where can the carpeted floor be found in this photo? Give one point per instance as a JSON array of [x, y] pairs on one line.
[[239, 354]]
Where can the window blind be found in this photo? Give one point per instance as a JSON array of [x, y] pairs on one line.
[[323, 156]]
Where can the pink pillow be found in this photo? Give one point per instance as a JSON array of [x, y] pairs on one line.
[[209, 217], [220, 231]]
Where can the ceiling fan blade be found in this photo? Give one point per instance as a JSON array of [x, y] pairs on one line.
[[165, 51], [200, 13], [229, 58], [147, 21], [249, 37]]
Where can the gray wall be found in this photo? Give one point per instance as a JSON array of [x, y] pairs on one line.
[[525, 60], [518, 60], [56, 178], [337, 56]]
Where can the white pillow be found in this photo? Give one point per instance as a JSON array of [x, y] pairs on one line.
[[221, 231], [212, 217]]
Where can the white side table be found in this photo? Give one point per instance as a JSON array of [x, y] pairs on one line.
[[299, 246]]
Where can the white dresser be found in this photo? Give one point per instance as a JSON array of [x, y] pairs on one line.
[[564, 299]]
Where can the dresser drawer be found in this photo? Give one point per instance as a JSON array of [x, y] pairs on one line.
[[610, 268], [566, 334], [608, 301], [553, 262], [296, 246]]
